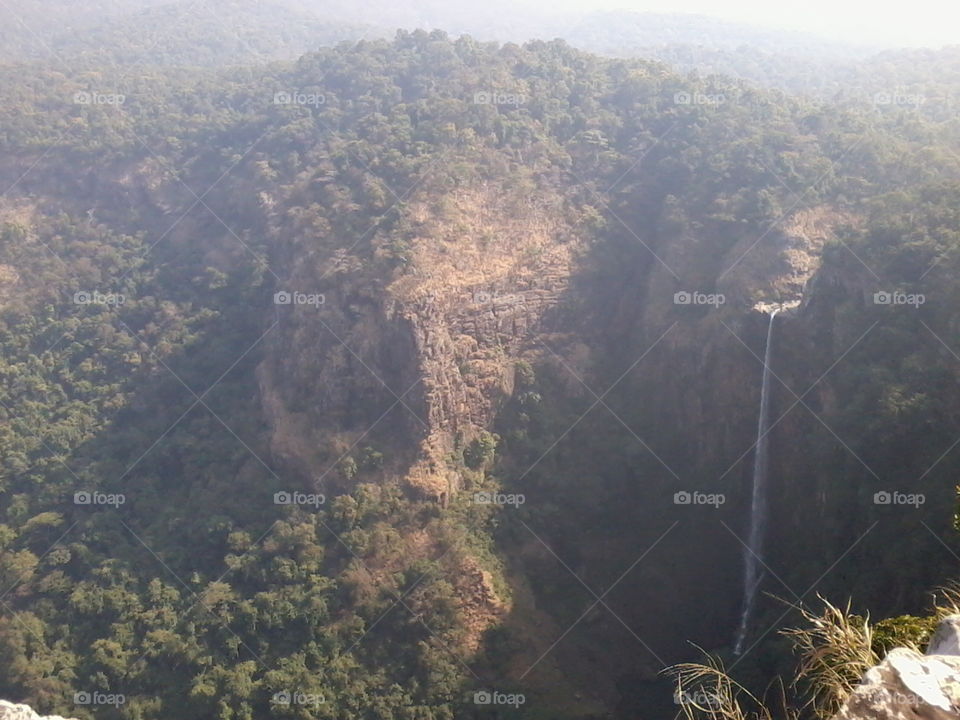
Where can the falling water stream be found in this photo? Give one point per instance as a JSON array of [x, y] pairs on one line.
[[752, 573]]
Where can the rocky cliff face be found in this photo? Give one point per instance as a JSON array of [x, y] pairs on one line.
[[418, 357]]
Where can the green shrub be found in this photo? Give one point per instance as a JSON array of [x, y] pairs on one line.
[[481, 450], [902, 631]]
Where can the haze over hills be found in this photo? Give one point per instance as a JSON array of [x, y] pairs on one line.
[[141, 33], [163, 31], [365, 374]]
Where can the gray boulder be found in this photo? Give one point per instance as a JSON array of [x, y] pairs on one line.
[[946, 638], [911, 686], [10, 711]]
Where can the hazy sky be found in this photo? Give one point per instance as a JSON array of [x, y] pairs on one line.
[[917, 22]]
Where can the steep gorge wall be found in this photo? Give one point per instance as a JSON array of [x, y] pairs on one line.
[[857, 420], [694, 398], [418, 358], [488, 280]]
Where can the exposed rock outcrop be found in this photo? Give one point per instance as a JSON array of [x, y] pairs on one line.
[[908, 685], [485, 304], [10, 711], [436, 341], [776, 269]]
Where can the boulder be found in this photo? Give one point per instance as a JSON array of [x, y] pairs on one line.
[[946, 638], [911, 686], [10, 711]]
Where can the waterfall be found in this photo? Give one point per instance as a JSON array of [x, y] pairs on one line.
[[752, 573]]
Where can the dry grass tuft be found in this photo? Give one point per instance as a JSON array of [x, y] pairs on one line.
[[836, 649], [707, 692], [946, 600]]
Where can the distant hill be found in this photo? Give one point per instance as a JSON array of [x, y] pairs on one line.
[[229, 32], [623, 32], [234, 32], [180, 33], [27, 30]]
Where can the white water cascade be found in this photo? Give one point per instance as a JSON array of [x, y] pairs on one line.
[[752, 573]]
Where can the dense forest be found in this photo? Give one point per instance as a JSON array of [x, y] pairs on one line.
[[348, 386]]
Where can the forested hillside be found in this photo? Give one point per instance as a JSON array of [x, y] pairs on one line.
[[354, 386]]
